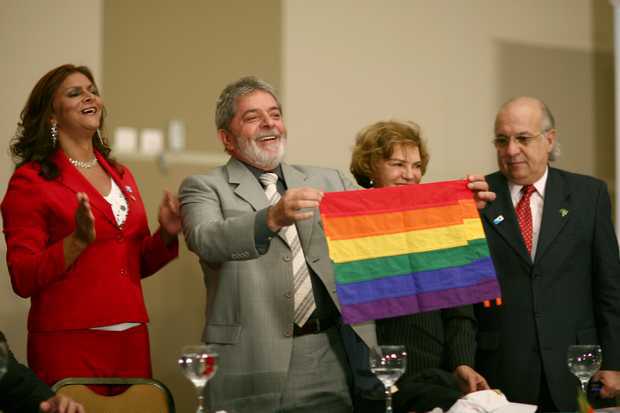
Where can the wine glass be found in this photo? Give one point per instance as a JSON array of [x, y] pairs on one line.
[[584, 361], [4, 357], [199, 363], [388, 363]]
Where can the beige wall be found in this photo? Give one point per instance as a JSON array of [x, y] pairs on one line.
[[36, 36], [446, 64]]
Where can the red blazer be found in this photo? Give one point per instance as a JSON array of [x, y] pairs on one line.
[[102, 287]]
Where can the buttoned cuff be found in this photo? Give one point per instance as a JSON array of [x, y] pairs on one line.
[[262, 234]]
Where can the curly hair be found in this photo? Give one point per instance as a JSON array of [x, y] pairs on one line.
[[377, 141], [32, 139]]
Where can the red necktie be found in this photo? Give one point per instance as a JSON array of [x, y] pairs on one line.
[[524, 215]]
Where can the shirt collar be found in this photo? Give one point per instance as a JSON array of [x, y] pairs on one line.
[[258, 172], [515, 190]]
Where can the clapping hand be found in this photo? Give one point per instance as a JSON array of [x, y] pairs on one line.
[[84, 220], [169, 217], [84, 232]]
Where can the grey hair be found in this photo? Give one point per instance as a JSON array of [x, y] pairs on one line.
[[547, 123], [226, 104]]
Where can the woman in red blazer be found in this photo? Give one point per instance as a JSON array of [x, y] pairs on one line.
[[78, 242]]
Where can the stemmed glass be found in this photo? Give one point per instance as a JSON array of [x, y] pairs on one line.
[[199, 363], [388, 363], [584, 361], [4, 357]]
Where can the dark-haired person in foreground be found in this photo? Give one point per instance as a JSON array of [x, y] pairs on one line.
[[21, 391]]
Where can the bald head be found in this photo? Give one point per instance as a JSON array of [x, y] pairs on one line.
[[525, 139], [535, 105]]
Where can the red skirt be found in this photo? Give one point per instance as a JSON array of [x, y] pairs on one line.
[[90, 353]]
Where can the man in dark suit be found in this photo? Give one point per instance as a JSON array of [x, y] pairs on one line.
[[22, 392], [556, 255]]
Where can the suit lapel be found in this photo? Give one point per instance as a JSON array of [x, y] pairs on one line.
[[555, 211], [501, 217], [125, 185], [75, 181], [247, 186], [296, 179]]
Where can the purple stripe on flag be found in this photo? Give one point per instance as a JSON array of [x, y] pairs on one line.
[[392, 307], [416, 283]]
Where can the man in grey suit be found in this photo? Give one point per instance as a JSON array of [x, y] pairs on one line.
[[556, 254], [270, 360]]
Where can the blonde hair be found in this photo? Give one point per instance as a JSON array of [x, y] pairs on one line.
[[377, 141]]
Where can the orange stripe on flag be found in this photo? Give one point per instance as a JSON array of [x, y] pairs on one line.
[[390, 223]]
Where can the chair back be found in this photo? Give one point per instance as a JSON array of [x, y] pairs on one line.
[[141, 396]]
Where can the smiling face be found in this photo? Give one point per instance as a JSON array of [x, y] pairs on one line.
[[403, 167], [256, 134], [77, 106], [523, 164]]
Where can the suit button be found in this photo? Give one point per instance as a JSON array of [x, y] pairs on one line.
[[123, 271], [288, 294], [120, 238], [286, 258], [288, 332]]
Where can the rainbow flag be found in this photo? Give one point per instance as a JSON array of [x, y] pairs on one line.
[[407, 249]]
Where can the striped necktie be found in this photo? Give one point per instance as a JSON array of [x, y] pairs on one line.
[[302, 286]]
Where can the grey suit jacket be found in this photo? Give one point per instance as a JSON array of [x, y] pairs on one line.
[[569, 294], [249, 296]]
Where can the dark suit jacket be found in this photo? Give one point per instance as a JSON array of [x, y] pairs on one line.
[[20, 390], [569, 294]]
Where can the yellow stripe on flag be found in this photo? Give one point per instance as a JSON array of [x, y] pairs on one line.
[[405, 242]]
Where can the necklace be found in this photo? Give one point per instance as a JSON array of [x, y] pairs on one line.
[[83, 164]]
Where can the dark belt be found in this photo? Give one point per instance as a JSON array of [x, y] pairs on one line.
[[313, 326]]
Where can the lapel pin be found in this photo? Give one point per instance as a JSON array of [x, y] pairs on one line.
[[128, 189], [563, 212], [498, 219]]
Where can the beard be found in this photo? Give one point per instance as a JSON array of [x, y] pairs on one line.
[[254, 155]]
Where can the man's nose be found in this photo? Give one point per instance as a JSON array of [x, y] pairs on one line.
[[513, 148], [268, 122]]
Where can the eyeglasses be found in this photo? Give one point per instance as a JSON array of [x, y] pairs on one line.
[[502, 141]]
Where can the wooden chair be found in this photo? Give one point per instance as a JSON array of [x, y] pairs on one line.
[[142, 395]]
